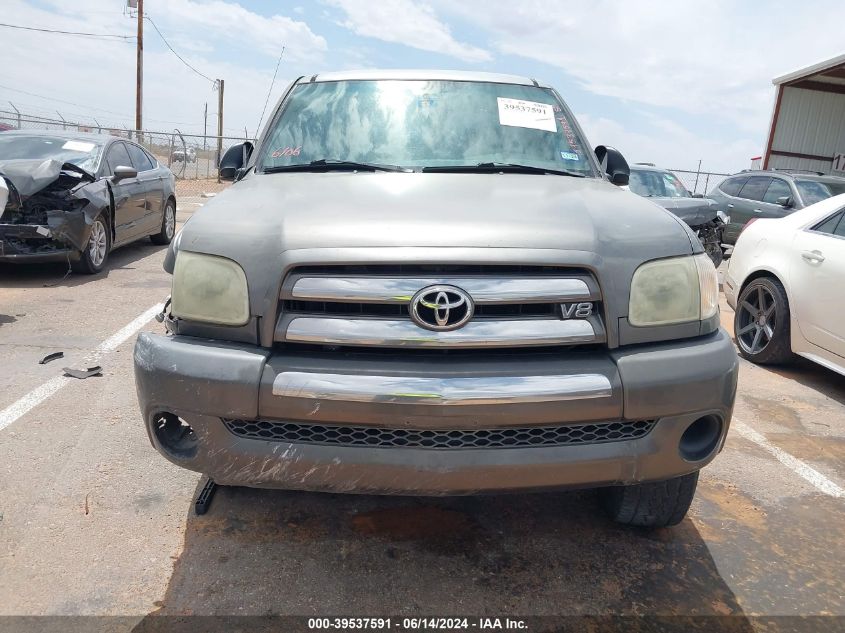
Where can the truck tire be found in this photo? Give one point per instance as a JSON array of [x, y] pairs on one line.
[[653, 504]]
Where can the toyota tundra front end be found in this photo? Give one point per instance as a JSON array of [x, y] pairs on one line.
[[426, 283]]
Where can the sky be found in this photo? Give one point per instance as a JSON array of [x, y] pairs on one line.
[[672, 83]]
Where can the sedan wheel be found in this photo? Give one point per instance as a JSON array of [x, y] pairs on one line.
[[169, 221], [168, 225], [93, 258], [98, 243], [761, 322]]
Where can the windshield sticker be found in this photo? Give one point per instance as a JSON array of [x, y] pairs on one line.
[[569, 156], [568, 133], [78, 146], [427, 101], [287, 151], [529, 114]]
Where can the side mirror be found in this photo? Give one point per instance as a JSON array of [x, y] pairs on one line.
[[234, 160], [698, 195], [785, 201], [121, 172], [614, 164]]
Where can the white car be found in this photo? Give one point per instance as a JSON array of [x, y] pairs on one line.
[[786, 282]]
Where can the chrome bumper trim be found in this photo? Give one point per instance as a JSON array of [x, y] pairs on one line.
[[401, 289], [441, 391], [405, 333]]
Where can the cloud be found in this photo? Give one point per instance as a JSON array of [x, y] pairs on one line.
[[233, 23], [668, 144], [714, 58], [220, 39], [413, 24]]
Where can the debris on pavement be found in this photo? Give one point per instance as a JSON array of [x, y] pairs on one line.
[[49, 357], [83, 373], [205, 497]]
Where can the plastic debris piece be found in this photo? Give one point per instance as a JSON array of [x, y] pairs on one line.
[[83, 373], [205, 496], [49, 357]]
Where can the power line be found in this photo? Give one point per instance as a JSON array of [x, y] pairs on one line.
[[78, 105], [57, 32], [172, 50], [87, 107], [269, 92]]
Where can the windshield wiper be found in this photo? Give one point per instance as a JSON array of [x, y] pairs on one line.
[[330, 164], [509, 168]]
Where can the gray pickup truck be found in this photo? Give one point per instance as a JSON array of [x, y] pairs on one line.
[[426, 283]]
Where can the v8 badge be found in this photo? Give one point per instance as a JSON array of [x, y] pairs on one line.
[[576, 310]]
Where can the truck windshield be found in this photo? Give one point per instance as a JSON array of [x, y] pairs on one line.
[[82, 153], [417, 124]]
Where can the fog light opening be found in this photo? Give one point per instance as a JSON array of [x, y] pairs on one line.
[[175, 435], [700, 438]]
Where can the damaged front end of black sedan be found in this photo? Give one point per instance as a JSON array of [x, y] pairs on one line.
[[48, 211]]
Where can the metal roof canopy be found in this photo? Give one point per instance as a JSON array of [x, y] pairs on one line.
[[808, 121]]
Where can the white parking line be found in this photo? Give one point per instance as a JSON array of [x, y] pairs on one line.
[[811, 475], [38, 395]]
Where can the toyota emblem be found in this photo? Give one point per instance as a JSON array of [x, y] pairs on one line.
[[441, 308]]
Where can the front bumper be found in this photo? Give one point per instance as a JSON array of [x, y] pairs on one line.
[[204, 382], [32, 243]]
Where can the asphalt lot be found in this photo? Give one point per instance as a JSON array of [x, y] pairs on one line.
[[94, 521]]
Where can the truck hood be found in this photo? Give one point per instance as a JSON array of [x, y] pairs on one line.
[[269, 223], [282, 212]]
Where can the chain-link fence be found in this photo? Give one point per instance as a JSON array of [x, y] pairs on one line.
[[192, 158], [699, 181]]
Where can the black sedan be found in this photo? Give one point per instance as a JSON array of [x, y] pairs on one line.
[[73, 196], [701, 214]]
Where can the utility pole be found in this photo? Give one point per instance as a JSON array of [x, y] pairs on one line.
[[139, 71], [219, 120], [205, 127]]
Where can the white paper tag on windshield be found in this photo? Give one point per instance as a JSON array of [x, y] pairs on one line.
[[518, 113], [78, 146]]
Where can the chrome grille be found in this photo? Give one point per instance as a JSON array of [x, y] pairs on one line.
[[369, 306], [520, 437], [483, 310]]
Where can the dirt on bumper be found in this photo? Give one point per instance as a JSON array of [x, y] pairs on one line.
[[206, 382]]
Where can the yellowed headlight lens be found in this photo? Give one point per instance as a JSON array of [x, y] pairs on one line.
[[665, 291], [209, 289]]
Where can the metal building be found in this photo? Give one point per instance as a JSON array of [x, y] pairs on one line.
[[807, 130]]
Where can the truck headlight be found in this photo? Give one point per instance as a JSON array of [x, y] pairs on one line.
[[674, 290], [210, 289]]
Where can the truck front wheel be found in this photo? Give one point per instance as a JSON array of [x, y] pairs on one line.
[[652, 504]]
